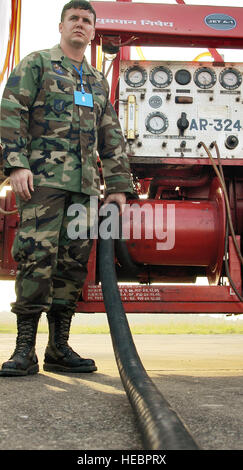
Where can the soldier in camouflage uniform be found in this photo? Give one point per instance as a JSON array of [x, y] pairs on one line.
[[50, 141]]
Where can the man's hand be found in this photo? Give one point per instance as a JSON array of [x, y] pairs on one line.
[[21, 181], [119, 198]]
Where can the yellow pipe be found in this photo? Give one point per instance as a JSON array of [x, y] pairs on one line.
[[12, 32], [6, 61], [99, 58], [140, 53], [203, 54], [17, 49]]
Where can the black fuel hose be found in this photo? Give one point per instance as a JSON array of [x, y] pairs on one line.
[[159, 425]]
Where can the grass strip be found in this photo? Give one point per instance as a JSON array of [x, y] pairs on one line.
[[176, 328]]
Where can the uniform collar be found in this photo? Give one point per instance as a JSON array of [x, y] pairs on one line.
[[57, 55]]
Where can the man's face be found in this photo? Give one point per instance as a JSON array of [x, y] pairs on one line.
[[77, 28]]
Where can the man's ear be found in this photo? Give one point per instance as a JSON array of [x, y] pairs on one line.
[[60, 27], [93, 36]]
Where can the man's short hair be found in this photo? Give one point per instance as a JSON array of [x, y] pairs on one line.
[[81, 4]]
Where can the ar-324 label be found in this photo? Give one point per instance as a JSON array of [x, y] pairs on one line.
[[226, 125]]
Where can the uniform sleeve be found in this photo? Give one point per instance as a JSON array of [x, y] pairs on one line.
[[18, 96], [114, 160]]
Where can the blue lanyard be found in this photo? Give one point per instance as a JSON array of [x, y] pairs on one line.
[[80, 72]]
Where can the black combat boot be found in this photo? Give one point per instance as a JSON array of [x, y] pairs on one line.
[[23, 360], [59, 356]]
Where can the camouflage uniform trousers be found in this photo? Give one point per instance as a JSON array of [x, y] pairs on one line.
[[52, 267]]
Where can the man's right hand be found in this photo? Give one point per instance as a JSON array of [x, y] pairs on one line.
[[21, 181]]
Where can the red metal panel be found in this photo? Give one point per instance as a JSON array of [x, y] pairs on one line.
[[10, 226], [177, 161], [115, 78], [179, 24], [234, 264], [169, 307], [168, 299], [2, 205]]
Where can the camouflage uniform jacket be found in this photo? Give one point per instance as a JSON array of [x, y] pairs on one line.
[[42, 129]]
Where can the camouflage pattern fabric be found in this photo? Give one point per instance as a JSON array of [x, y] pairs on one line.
[[51, 266], [2, 177], [42, 129]]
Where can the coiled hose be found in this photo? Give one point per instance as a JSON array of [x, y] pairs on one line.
[[159, 425]]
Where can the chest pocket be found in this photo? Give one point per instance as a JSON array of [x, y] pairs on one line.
[[58, 106]]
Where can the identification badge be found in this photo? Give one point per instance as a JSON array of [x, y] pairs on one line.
[[83, 99]]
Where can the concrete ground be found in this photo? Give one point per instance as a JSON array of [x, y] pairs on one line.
[[201, 376]]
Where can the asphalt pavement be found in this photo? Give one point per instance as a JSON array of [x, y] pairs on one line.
[[201, 376]]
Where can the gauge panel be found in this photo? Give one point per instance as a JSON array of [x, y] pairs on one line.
[[207, 96], [205, 77], [156, 122], [230, 78], [161, 76], [135, 76], [183, 76]]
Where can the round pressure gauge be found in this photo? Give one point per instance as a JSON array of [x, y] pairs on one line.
[[183, 77], [204, 77], [230, 78], [135, 76], [160, 76], [156, 122]]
